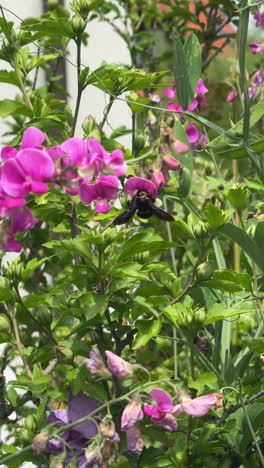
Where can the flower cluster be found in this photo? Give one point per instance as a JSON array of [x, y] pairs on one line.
[[259, 17], [163, 412], [254, 91], [81, 167], [196, 138]]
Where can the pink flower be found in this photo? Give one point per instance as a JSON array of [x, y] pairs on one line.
[[164, 405], [201, 90], [134, 439], [179, 147], [134, 184], [8, 152], [106, 187], [76, 149], [232, 96], [155, 99], [21, 220], [118, 366], [172, 163], [169, 423], [9, 244], [170, 93], [258, 78], [114, 163], [259, 17], [95, 363], [255, 47], [158, 179], [192, 106], [192, 133], [201, 142], [131, 415], [196, 407], [33, 137]]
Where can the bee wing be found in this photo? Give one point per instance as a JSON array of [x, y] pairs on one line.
[[161, 214], [125, 216]]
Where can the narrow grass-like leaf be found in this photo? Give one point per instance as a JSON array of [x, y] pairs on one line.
[[180, 72]]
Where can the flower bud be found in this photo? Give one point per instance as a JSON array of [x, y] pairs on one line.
[[179, 147], [139, 143], [118, 366], [171, 162], [131, 415], [205, 270], [78, 24], [30, 423], [39, 442], [200, 230], [96, 364], [134, 439], [158, 179], [107, 428]]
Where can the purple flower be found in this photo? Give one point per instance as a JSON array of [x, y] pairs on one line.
[[134, 439], [172, 163], [118, 366], [255, 47], [134, 184], [232, 96], [155, 99], [106, 187], [196, 407], [201, 90], [77, 437], [131, 415], [192, 133], [258, 78], [8, 243], [259, 17], [21, 220], [169, 423], [164, 405], [95, 363], [192, 106]]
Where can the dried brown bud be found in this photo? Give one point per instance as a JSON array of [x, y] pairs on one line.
[[39, 442]]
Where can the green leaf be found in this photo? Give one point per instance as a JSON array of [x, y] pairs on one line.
[[255, 115], [135, 102], [130, 270], [215, 216], [256, 345], [229, 281], [207, 379], [144, 241], [193, 60], [147, 330], [9, 107], [94, 304], [241, 152], [38, 61], [32, 265], [180, 72], [220, 312], [238, 196], [255, 184], [245, 242], [8, 77]]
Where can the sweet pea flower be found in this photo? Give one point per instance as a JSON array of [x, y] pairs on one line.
[[170, 93], [255, 47], [201, 90], [232, 95], [21, 220], [178, 107], [106, 187], [171, 162], [114, 163], [134, 184], [259, 17], [258, 78], [179, 147], [169, 423], [118, 366], [77, 438], [192, 133], [158, 179], [155, 99], [95, 363], [201, 142], [196, 407], [131, 415], [164, 405], [8, 243], [32, 138], [134, 439]]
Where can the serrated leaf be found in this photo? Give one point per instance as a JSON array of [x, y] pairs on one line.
[[32, 265], [256, 345], [131, 270], [9, 107], [215, 216], [204, 380]]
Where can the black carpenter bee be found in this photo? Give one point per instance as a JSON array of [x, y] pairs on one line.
[[144, 205]]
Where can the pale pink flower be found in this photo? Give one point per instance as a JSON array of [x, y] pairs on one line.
[[118, 366], [95, 363], [131, 415], [134, 439], [179, 147], [158, 179], [255, 47], [192, 133], [232, 96], [171, 162], [196, 407]]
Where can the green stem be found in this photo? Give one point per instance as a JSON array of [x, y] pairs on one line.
[[80, 88], [106, 113], [252, 432], [4, 461]]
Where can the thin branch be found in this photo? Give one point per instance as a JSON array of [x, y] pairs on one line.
[[19, 345]]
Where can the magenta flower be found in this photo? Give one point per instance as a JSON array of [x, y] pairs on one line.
[[169, 423], [95, 363], [114, 163], [255, 47], [8, 152], [8, 243], [106, 187], [77, 150], [164, 405], [192, 106], [158, 179], [259, 17], [192, 133], [196, 407], [131, 415], [21, 220], [201, 142], [170, 93], [232, 96], [33, 137], [118, 366], [201, 90], [77, 437], [134, 439], [7, 202], [172, 163], [179, 147], [134, 184]]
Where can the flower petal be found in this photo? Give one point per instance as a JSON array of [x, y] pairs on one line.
[[21, 220], [13, 179], [199, 406], [8, 152], [169, 423], [162, 399], [36, 163], [138, 183], [32, 137], [81, 405]]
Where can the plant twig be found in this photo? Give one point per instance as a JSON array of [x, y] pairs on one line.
[[19, 345]]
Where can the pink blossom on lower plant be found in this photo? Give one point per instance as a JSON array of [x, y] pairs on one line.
[[192, 133], [195, 407], [258, 78], [105, 188], [158, 179], [179, 147], [131, 415], [21, 219], [95, 363], [259, 17], [255, 47], [232, 95], [164, 405], [134, 439], [118, 366], [169, 423], [171, 162]]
